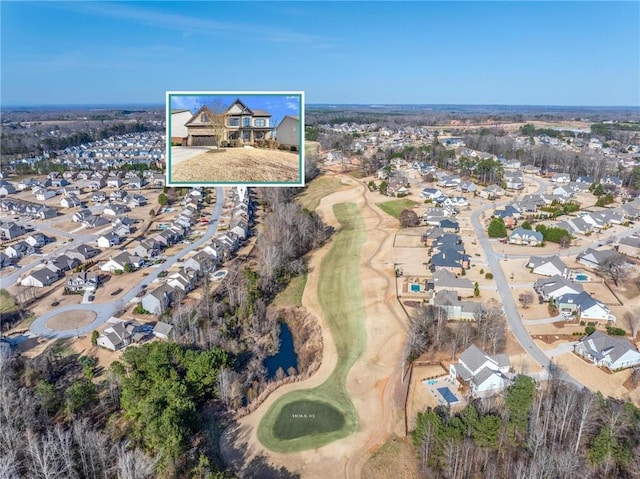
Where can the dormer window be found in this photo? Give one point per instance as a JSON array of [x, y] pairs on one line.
[[204, 118]]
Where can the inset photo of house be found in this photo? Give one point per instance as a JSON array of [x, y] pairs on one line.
[[235, 138]]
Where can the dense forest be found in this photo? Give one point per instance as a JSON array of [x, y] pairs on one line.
[[159, 410], [549, 430]]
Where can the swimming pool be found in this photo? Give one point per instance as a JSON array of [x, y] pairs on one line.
[[448, 396], [581, 277]]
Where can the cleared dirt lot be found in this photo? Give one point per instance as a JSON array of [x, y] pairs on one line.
[[70, 320], [235, 165]]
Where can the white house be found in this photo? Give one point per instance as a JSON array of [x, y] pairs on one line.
[[431, 193], [484, 373], [547, 266], [40, 278], [179, 132], [108, 240], [608, 351], [288, 131]]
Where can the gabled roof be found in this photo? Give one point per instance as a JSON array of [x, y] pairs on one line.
[[537, 261], [600, 345], [473, 357], [598, 255]]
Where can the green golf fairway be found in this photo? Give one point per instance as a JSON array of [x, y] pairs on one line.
[[311, 418]]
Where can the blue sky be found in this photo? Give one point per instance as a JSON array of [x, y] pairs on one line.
[[277, 105], [545, 53]]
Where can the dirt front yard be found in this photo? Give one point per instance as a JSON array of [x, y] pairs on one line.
[[239, 165]]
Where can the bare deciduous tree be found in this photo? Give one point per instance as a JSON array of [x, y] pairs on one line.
[[526, 299], [632, 319], [615, 267]]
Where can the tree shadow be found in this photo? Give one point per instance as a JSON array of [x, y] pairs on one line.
[[237, 456]]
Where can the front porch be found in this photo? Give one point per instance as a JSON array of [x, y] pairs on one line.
[[250, 134]]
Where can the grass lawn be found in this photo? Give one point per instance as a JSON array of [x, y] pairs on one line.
[[318, 189], [310, 418], [292, 294], [395, 207], [7, 302]]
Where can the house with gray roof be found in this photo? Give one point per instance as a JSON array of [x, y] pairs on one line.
[[444, 280], [40, 278], [485, 374], [548, 266], [630, 245], [522, 236], [456, 309], [611, 352], [158, 300], [593, 258], [584, 306], [11, 230], [83, 252], [556, 286]]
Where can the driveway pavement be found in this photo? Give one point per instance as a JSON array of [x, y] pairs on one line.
[[105, 310], [183, 153]]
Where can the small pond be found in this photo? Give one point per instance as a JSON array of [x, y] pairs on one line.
[[285, 357]]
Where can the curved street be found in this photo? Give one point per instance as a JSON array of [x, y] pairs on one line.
[[105, 310], [508, 303]]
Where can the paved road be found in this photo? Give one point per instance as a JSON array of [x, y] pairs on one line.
[[511, 311], [183, 153], [105, 310]]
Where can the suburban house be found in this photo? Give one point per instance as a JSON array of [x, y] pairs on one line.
[[201, 262], [561, 178], [184, 280], [108, 240], [121, 334], [630, 245], [158, 300], [492, 191], [83, 252], [114, 182], [37, 240], [11, 230], [547, 266], [431, 193], [179, 131], [288, 131], [525, 237], [451, 260], [163, 330], [64, 263], [456, 310], [444, 280], [147, 248], [584, 306], [240, 123], [40, 278], [556, 286], [485, 374], [609, 351], [120, 262], [82, 281], [594, 258]]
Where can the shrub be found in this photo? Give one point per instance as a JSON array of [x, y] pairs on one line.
[[589, 329], [582, 323], [236, 143], [294, 148], [224, 143], [140, 310], [94, 338], [591, 323], [282, 147], [260, 143], [463, 272], [613, 331], [481, 270], [488, 276]]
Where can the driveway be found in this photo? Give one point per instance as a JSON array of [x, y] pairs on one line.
[[183, 153], [105, 310]]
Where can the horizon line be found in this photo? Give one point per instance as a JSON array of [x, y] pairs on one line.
[[368, 104]]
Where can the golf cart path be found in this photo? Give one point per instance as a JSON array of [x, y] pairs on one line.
[[372, 380]]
